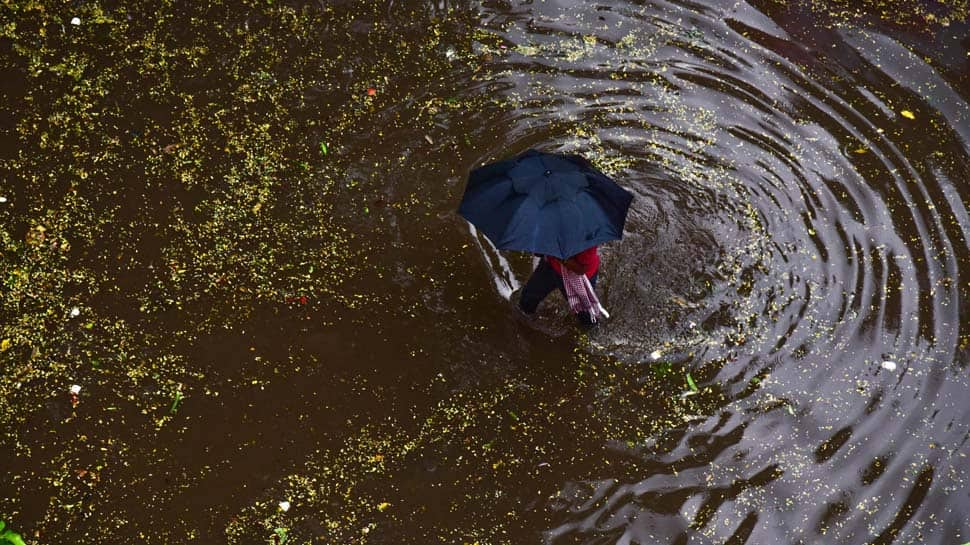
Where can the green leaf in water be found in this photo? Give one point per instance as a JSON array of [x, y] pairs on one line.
[[176, 399], [282, 533], [691, 383], [323, 148], [9, 536]]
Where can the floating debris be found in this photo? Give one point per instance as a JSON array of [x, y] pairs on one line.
[[888, 365], [75, 389], [656, 354], [75, 312], [284, 506], [691, 383], [908, 114], [177, 398], [76, 21], [9, 536]]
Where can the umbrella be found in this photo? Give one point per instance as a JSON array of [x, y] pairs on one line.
[[549, 204]]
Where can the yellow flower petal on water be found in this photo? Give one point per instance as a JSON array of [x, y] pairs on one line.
[[908, 114], [4, 345], [382, 506]]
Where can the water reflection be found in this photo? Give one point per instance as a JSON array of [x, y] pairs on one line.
[[797, 230]]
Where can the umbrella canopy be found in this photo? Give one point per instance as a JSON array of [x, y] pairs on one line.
[[557, 205]]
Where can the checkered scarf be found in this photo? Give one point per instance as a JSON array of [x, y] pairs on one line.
[[580, 295]]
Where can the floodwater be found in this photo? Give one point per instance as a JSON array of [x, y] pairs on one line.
[[334, 354]]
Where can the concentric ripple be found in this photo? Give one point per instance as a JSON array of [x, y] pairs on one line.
[[799, 239]]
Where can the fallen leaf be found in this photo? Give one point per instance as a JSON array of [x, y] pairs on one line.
[[691, 383], [908, 114]]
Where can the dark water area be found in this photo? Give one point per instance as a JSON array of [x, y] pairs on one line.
[[285, 333]]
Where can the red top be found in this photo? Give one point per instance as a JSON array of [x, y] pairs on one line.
[[588, 258]]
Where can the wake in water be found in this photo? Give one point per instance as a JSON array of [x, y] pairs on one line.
[[800, 222]]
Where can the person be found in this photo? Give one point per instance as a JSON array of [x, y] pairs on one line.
[[548, 276]]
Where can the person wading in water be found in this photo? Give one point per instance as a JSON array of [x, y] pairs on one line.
[[549, 276]]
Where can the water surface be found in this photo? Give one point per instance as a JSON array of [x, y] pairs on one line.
[[274, 235]]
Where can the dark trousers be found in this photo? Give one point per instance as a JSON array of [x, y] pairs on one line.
[[543, 280]]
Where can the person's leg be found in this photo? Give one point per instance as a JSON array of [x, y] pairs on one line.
[[539, 285]]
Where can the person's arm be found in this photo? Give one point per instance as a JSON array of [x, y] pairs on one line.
[[588, 261], [574, 265]]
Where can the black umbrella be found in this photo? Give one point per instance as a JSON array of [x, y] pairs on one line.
[[549, 204]]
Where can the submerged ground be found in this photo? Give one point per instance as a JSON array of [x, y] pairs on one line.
[[237, 304]]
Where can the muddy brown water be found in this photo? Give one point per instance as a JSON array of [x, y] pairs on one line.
[[798, 247]]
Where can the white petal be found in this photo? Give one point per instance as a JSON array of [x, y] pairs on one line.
[[889, 365], [655, 354], [284, 506], [75, 389], [76, 21], [75, 312]]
